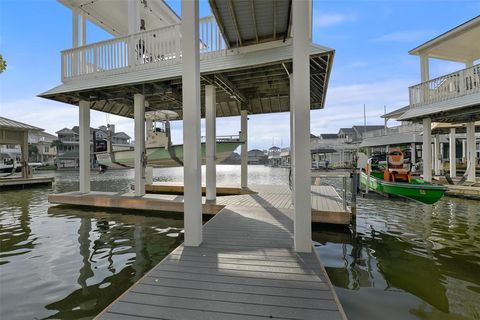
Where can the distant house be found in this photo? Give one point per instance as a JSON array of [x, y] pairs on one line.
[[285, 157], [68, 155], [274, 159], [46, 153], [256, 156]]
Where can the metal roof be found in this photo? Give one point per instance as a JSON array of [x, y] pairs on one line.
[[393, 139], [245, 22], [456, 110], [16, 125], [112, 16], [257, 81], [460, 44], [395, 114]]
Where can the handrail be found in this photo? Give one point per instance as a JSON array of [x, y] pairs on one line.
[[452, 85], [141, 50]]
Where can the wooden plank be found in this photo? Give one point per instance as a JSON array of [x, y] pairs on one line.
[[245, 268]]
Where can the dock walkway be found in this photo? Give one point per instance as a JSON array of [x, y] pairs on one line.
[[245, 268], [327, 206]]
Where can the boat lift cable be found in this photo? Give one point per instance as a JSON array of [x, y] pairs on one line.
[[170, 149]]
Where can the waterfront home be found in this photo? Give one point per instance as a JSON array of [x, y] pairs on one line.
[[43, 151], [274, 159], [451, 98], [256, 156], [68, 150]]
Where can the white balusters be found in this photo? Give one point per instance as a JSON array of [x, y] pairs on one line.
[[147, 49], [456, 84]]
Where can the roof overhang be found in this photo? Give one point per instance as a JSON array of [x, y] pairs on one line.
[[457, 110], [112, 16], [460, 44], [395, 114], [393, 139], [257, 81], [444, 127], [246, 22]]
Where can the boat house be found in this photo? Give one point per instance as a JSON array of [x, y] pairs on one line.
[[453, 98], [249, 58]]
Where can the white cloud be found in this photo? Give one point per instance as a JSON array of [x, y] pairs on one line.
[[404, 36], [322, 20], [344, 108]]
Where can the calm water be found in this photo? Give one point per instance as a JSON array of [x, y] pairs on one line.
[[405, 260]]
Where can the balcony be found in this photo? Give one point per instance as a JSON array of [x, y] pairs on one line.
[[143, 50], [457, 84]]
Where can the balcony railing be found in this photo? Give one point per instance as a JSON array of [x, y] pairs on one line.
[[456, 84], [405, 128], [143, 50]]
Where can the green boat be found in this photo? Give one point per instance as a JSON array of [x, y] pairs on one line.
[[417, 189]]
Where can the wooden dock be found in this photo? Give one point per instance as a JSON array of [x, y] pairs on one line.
[[327, 206], [16, 182], [470, 192], [245, 268]]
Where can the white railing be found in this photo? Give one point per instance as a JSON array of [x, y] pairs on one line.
[[456, 84], [143, 50], [405, 128]]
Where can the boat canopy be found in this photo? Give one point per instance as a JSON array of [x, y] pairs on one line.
[[161, 115]]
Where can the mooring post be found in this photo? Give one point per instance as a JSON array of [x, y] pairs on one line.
[[344, 193], [354, 188]]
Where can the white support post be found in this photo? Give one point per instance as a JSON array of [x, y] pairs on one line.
[[436, 154], [464, 151], [244, 149], [133, 12], [83, 30], [191, 123], [427, 149], [424, 68], [139, 119], [471, 151], [84, 144], [413, 153], [292, 146], [301, 130], [148, 175], [452, 154], [74, 29], [74, 42], [210, 142]]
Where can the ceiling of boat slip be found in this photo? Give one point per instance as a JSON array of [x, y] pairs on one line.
[[259, 89]]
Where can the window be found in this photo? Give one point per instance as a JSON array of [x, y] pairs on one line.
[[46, 149]]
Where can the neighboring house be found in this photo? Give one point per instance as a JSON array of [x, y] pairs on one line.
[[274, 159], [46, 153], [256, 156], [285, 158], [69, 151]]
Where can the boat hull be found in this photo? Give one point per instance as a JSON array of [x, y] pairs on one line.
[[161, 157], [417, 190]]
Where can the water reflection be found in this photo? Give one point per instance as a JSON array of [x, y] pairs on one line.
[[431, 253], [405, 260]]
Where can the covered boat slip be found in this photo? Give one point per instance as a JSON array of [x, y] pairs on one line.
[[245, 268], [326, 204]]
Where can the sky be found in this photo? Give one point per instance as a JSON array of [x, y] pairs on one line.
[[371, 67]]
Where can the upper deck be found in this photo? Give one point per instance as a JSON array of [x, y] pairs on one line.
[[454, 97], [248, 58]]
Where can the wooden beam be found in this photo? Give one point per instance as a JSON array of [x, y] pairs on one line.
[[252, 7], [224, 83], [274, 20], [235, 23]]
